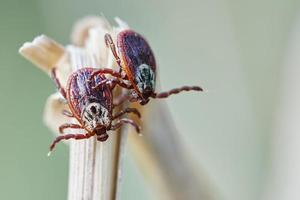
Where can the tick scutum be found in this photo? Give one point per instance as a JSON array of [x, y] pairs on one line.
[[81, 93]]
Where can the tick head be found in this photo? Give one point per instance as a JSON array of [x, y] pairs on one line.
[[144, 101], [95, 116], [102, 137], [145, 82]]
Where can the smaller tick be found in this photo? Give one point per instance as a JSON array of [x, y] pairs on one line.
[[90, 101]]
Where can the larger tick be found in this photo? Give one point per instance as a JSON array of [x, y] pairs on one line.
[[92, 106], [137, 66]]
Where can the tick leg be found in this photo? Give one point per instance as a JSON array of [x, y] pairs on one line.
[[127, 110], [67, 137], [57, 83], [121, 83], [125, 121], [102, 83], [107, 71], [176, 91], [67, 113], [122, 98], [109, 42], [67, 125], [113, 82]]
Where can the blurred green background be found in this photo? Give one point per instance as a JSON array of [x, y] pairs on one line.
[[234, 49]]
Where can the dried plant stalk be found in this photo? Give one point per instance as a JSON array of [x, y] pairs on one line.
[[43, 52], [93, 165]]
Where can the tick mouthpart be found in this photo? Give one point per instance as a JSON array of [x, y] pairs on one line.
[[144, 101], [100, 127], [148, 89], [102, 137]]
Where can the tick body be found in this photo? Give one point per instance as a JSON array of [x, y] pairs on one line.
[[90, 101], [137, 65], [138, 62]]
